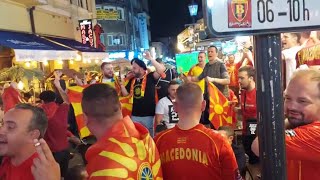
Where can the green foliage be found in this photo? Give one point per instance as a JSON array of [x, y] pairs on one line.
[[16, 73]]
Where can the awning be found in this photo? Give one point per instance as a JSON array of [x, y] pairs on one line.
[[86, 51], [31, 47]]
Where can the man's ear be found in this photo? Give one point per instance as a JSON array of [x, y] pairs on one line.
[[203, 105], [35, 134], [175, 106], [231, 138]]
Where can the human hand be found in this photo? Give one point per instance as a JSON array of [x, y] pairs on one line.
[[57, 74], [209, 79], [44, 167], [147, 55]]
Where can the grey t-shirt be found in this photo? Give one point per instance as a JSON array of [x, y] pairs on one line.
[[216, 70]]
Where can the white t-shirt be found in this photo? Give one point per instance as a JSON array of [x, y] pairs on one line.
[[165, 107], [291, 63]]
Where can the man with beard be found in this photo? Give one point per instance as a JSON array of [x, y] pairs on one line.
[[302, 107], [21, 126], [248, 110], [108, 77], [142, 92]]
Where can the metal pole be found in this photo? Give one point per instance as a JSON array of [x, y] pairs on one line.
[[270, 107]]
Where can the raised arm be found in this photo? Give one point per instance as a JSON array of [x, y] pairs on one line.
[[159, 67], [63, 94]]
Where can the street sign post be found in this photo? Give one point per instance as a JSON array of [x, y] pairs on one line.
[[230, 17], [265, 19]]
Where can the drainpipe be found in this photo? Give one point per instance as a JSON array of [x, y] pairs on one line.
[[33, 28]]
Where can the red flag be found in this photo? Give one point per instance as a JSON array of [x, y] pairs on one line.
[[219, 109], [126, 106], [234, 101], [75, 96]]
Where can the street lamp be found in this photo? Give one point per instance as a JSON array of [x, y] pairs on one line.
[[193, 10]]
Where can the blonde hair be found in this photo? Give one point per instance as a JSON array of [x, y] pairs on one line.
[[310, 74], [190, 95]]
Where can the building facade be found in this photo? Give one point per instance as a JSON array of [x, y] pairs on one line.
[[125, 24], [44, 18]]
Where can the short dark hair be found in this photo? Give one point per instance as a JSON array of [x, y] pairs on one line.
[[159, 60], [202, 52], [249, 69], [48, 96], [100, 101], [212, 46], [104, 64], [231, 55], [39, 118], [297, 35], [228, 129], [74, 173], [174, 82]]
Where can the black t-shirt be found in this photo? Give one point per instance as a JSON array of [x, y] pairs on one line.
[[163, 83], [143, 106]]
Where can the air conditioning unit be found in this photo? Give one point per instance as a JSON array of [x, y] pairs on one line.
[[32, 2]]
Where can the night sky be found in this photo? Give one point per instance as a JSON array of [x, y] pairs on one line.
[[168, 17]]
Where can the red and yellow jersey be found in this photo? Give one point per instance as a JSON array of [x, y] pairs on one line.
[[303, 152], [196, 71], [198, 153], [233, 73], [114, 82], [126, 151]]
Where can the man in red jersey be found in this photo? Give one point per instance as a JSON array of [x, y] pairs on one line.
[[248, 110], [124, 150], [190, 150], [302, 107], [21, 125]]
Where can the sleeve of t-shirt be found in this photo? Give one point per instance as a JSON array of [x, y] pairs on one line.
[[69, 134], [151, 77], [224, 71], [190, 73], [128, 86], [160, 107], [303, 144], [203, 74], [173, 74], [228, 163]]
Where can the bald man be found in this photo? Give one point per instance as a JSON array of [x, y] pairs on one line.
[[182, 155]]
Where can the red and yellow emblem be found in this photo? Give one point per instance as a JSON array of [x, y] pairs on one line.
[[239, 13]]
